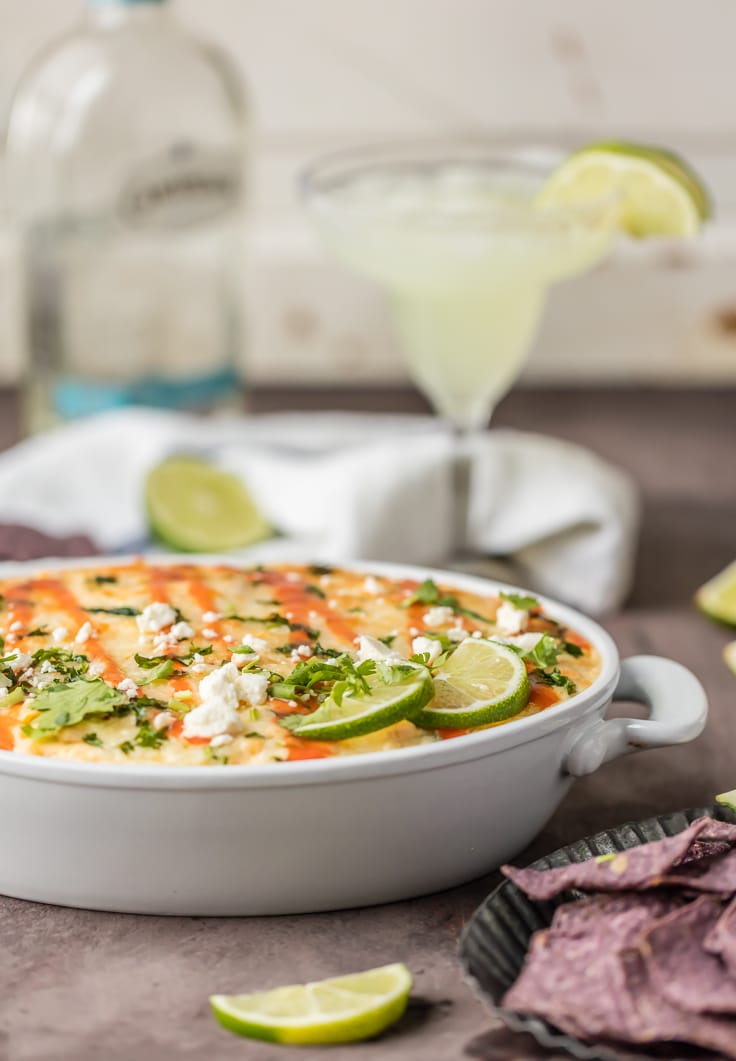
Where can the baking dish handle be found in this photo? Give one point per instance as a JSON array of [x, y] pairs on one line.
[[677, 704]]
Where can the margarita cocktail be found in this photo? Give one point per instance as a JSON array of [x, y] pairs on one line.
[[467, 251]]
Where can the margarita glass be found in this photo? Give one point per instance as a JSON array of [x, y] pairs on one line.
[[457, 236]]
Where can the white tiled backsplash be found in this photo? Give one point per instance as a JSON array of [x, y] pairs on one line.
[[329, 73]]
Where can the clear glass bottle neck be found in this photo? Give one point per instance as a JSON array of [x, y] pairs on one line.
[[110, 14]]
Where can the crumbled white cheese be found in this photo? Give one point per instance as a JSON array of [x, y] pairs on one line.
[[16, 626], [526, 642], [438, 616], [162, 720], [60, 633], [305, 651], [211, 617], [220, 740], [182, 631], [84, 633], [257, 644], [372, 585], [198, 657], [221, 692], [199, 668], [209, 634], [293, 576], [19, 661], [155, 617], [458, 633], [128, 686], [228, 639], [372, 648], [476, 634], [428, 645], [96, 668], [163, 644], [511, 620]]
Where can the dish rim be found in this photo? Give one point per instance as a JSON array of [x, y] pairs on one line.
[[362, 765]]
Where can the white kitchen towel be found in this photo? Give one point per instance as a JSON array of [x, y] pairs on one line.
[[342, 487]]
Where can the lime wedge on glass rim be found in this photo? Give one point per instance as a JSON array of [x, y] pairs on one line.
[[480, 683], [717, 598], [195, 507], [387, 702], [342, 1010], [659, 192]]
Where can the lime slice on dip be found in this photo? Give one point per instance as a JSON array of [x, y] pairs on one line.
[[194, 507], [717, 598], [395, 692], [481, 682], [342, 1010], [660, 194]]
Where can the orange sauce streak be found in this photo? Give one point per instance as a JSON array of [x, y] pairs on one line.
[[7, 722], [64, 599], [543, 696], [297, 600], [309, 750], [448, 734], [20, 610]]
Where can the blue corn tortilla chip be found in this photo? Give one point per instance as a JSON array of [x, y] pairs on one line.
[[678, 966], [721, 940], [637, 869], [573, 975]]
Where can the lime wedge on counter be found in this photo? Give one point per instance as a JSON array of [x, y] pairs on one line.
[[481, 682], [660, 194], [342, 1010], [729, 655], [717, 598], [197, 508], [386, 703], [727, 799]]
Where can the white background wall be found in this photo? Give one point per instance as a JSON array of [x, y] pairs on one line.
[[326, 73]]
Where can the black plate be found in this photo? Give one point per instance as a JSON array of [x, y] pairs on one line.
[[494, 945]]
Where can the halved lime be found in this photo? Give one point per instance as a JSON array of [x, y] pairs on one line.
[[660, 194], [717, 598], [410, 688], [729, 655], [195, 507], [481, 682], [342, 1010]]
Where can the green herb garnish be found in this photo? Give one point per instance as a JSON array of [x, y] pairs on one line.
[[572, 649], [162, 671], [388, 640], [555, 677], [38, 631], [316, 592], [126, 747], [93, 739], [519, 600], [429, 593], [63, 704], [102, 580], [124, 609], [148, 737]]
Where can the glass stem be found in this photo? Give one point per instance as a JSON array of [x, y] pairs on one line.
[[460, 489]]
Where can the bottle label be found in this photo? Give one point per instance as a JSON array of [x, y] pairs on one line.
[[75, 396], [182, 187]]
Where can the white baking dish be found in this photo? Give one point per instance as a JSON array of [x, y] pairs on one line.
[[325, 834]]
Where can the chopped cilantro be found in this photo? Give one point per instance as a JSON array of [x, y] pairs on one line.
[[38, 631], [64, 661], [545, 652], [102, 580], [148, 737], [124, 609], [64, 704], [357, 610], [258, 735], [93, 739], [520, 600], [428, 592], [126, 747], [555, 677], [388, 640], [159, 673], [320, 569], [572, 649], [316, 592]]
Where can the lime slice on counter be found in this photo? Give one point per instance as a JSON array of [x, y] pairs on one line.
[[660, 194], [386, 703], [727, 799], [342, 1010], [729, 655], [717, 598], [197, 508], [481, 682]]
